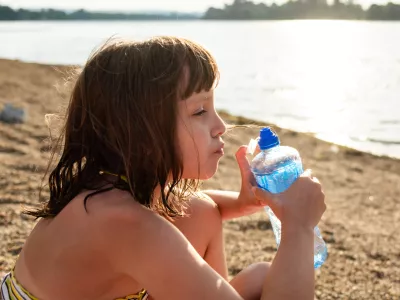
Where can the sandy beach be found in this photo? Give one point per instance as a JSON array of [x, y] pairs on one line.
[[360, 226]]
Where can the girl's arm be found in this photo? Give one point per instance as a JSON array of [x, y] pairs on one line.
[[237, 204], [156, 254], [229, 204]]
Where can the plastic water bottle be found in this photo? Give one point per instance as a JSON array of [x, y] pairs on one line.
[[275, 168]]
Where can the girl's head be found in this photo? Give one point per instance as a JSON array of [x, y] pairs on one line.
[[143, 110]]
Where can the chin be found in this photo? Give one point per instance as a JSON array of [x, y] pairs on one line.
[[209, 173], [207, 176], [204, 174], [201, 176]]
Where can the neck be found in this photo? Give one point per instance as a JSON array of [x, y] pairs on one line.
[[111, 177]]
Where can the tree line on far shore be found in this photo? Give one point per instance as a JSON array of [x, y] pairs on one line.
[[238, 10], [303, 9], [7, 13]]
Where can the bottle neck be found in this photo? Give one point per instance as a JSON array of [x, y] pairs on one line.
[[270, 149]]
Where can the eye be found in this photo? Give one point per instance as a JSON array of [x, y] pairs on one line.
[[200, 113]]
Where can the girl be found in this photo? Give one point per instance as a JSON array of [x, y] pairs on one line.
[[124, 219]]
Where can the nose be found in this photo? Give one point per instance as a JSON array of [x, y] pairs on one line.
[[219, 127]]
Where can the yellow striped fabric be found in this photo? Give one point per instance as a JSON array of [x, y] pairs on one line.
[[10, 289], [142, 295]]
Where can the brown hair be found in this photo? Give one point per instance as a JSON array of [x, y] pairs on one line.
[[121, 118]]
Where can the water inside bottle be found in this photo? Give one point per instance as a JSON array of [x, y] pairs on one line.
[[280, 179]]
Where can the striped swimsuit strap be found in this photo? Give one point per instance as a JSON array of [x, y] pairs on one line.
[[142, 295], [10, 289]]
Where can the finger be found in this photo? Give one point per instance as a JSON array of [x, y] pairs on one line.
[[307, 173], [244, 165], [315, 179], [264, 197]]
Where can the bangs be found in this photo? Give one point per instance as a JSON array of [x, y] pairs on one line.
[[200, 71]]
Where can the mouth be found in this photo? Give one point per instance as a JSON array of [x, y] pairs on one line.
[[220, 150]]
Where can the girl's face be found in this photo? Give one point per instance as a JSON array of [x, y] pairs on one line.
[[199, 131]]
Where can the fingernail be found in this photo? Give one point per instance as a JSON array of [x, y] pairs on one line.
[[251, 147]]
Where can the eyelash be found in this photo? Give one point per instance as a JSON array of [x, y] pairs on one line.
[[200, 113]]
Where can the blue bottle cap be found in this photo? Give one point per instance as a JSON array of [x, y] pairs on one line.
[[268, 139]]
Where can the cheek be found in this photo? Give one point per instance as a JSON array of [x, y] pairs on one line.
[[192, 154], [193, 158], [187, 150], [195, 152], [192, 141]]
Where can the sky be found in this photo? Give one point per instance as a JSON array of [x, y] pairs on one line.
[[138, 5]]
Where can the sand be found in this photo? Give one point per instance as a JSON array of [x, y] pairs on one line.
[[360, 226]]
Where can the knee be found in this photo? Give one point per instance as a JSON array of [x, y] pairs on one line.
[[259, 269], [254, 273], [249, 282]]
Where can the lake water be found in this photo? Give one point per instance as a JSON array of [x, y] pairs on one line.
[[339, 80]]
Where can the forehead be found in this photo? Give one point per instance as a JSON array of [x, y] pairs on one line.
[[200, 97]]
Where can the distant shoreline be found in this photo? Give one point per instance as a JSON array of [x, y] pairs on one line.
[[200, 20], [9, 14], [242, 10]]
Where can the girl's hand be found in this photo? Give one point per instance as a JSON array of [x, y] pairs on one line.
[[247, 201], [302, 204]]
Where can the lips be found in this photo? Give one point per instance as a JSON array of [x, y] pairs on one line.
[[220, 149]]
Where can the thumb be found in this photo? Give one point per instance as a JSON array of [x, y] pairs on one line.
[[244, 165], [265, 197], [307, 173]]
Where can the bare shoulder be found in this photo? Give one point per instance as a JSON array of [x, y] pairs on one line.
[[154, 253], [200, 196], [201, 205], [202, 201], [114, 206], [112, 215], [116, 210]]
